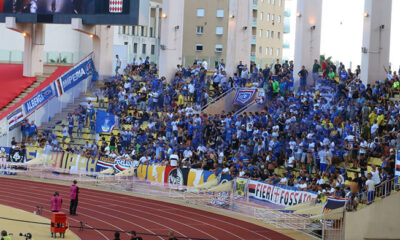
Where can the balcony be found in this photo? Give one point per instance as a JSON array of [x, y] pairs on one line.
[[254, 22], [255, 5], [286, 45], [253, 57], [286, 28], [253, 40]]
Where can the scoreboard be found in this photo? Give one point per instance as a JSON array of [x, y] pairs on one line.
[[107, 12]]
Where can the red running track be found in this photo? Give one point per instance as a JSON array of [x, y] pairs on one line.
[[100, 209]]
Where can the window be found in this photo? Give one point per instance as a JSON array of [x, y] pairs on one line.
[[279, 19], [260, 50], [135, 48], [280, 3], [199, 30], [260, 31], [271, 52], [267, 33], [273, 2], [219, 30], [218, 48], [279, 35], [144, 49], [142, 31], [261, 16], [272, 17], [278, 51], [269, 1], [268, 17], [272, 34], [153, 49], [123, 29], [220, 13], [200, 12], [151, 32], [135, 29], [266, 51], [199, 47]]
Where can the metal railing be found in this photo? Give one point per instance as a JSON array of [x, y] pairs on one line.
[[242, 109], [214, 100]]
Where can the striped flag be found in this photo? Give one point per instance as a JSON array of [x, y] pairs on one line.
[[14, 118], [58, 86]]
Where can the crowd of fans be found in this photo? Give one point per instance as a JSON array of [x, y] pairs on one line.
[[316, 133]]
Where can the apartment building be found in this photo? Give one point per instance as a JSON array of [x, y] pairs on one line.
[[267, 31], [140, 41], [205, 31]]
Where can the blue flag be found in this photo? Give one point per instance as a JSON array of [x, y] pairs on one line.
[[105, 122]]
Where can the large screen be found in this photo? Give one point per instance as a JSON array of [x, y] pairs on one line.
[[123, 12], [50, 6]]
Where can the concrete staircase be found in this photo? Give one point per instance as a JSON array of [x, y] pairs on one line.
[[70, 108], [48, 70]]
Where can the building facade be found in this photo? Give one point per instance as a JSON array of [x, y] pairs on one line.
[[267, 31], [205, 31], [208, 30]]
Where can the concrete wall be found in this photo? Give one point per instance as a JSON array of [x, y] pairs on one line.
[[308, 40], [239, 34], [223, 104], [171, 37], [377, 221], [376, 40]]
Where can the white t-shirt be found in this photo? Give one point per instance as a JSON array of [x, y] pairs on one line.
[[322, 156], [375, 176], [370, 185], [374, 127], [173, 160], [65, 132]]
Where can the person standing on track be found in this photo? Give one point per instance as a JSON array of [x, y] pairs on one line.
[[73, 193], [172, 236], [134, 236], [56, 202]]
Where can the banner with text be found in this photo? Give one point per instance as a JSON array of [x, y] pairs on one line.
[[79, 73], [40, 98], [280, 195]]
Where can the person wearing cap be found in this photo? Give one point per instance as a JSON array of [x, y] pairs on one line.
[[56, 202]]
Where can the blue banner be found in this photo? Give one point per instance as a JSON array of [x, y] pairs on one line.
[[38, 99], [244, 95], [105, 122], [77, 74]]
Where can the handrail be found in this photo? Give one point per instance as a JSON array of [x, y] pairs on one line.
[[385, 188], [217, 98], [245, 107], [382, 190]]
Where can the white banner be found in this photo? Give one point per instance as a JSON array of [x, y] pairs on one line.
[[284, 196]]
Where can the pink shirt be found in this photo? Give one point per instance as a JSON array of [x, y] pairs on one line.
[[56, 202], [73, 192]]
